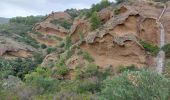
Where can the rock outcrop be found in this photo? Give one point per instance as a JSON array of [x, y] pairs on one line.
[[11, 48], [80, 26], [117, 41]]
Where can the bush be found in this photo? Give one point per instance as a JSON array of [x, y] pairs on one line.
[[41, 79], [68, 43], [166, 49], [121, 1], [63, 23], [153, 49], [43, 46], [69, 53], [19, 67], [167, 69], [116, 11], [136, 85], [70, 95], [87, 57], [91, 69], [51, 49], [62, 69], [81, 86], [95, 21], [97, 7], [81, 36], [122, 69]]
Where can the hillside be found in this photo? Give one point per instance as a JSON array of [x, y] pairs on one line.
[[112, 51], [3, 20]]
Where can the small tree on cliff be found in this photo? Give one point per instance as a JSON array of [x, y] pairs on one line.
[[95, 21], [121, 1]]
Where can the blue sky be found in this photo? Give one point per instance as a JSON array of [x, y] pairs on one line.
[[13, 8]]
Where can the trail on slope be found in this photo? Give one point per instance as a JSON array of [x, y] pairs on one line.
[[161, 54]]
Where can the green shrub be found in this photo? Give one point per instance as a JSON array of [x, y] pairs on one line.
[[81, 36], [97, 7], [116, 11], [51, 49], [19, 67], [43, 46], [136, 85], [87, 57], [95, 21], [63, 23], [121, 1], [127, 68], [81, 86], [167, 69], [87, 86], [153, 49], [40, 78], [62, 69], [166, 49], [68, 43], [91, 69], [69, 53], [72, 12], [70, 95]]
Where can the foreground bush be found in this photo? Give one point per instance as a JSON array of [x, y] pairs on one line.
[[136, 85], [41, 79]]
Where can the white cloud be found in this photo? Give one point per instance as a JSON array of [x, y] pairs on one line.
[[12, 8]]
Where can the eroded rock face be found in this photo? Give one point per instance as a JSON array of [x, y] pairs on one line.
[[80, 26], [56, 32], [50, 60], [50, 29], [117, 42], [58, 15], [106, 50], [46, 27], [11, 48], [166, 22], [46, 39], [106, 14]]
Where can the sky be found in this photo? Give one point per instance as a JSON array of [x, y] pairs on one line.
[[13, 8]]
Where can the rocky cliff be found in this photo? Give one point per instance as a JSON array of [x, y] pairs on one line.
[[117, 41]]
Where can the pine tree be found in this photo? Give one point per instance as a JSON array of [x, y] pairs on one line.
[[95, 21]]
